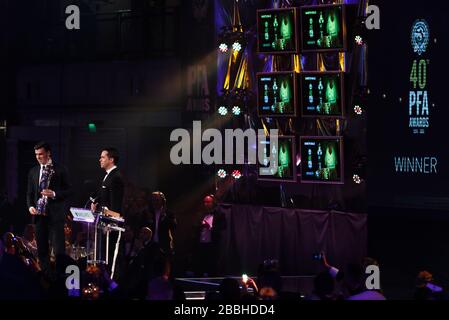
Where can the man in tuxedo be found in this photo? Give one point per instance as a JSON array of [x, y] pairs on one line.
[[110, 194], [49, 222], [162, 222], [209, 231]]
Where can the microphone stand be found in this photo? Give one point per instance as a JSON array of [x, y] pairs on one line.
[[91, 200], [87, 202]]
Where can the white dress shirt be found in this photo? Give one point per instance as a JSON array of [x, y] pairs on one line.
[[206, 231], [42, 169], [157, 216]]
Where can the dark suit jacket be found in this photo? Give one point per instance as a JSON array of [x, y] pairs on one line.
[[166, 229], [146, 257], [111, 191], [59, 183]]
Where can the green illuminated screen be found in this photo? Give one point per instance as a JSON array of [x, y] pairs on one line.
[[286, 168], [321, 159], [276, 94], [322, 28], [276, 31], [322, 94]]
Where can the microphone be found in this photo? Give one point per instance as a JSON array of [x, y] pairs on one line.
[[92, 200]]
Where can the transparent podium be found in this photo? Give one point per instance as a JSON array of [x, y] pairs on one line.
[[102, 229]]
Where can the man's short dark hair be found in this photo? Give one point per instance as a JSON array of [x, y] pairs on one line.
[[42, 144], [161, 195], [113, 153]]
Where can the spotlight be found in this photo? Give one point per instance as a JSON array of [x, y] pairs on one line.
[[222, 111], [223, 47], [236, 110], [236, 46], [236, 174], [359, 170], [359, 40], [357, 179], [222, 173], [358, 110]]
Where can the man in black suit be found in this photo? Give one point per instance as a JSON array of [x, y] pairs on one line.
[[50, 221], [162, 223], [110, 194], [209, 232]]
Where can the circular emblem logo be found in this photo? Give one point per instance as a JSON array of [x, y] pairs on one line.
[[420, 36]]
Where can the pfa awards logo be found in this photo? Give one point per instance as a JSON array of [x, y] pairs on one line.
[[420, 36], [419, 112]]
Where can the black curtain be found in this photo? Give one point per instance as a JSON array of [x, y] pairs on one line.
[[291, 236]]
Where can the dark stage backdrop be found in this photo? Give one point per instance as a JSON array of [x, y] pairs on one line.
[[291, 236], [408, 157]]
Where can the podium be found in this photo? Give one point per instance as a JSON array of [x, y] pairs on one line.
[[103, 222], [82, 215]]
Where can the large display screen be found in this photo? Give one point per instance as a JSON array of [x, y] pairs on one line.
[[276, 31], [409, 162], [323, 28], [286, 165], [276, 94], [321, 159], [322, 94]]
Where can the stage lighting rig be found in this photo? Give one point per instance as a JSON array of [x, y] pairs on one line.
[[231, 37]]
